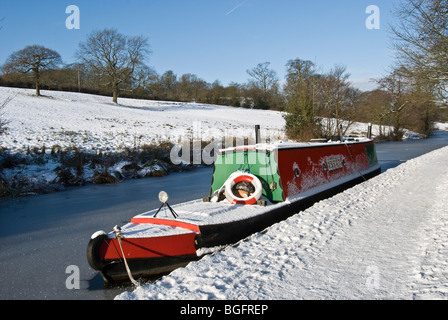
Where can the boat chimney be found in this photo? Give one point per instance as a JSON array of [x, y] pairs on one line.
[[369, 131], [257, 134]]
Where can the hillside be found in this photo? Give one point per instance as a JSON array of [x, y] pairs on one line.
[[94, 123]]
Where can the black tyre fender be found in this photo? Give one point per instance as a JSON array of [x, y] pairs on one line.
[[93, 258]]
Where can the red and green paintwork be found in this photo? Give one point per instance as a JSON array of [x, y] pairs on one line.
[[287, 171]]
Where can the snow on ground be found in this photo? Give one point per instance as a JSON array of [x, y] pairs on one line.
[[386, 238], [93, 122], [441, 126]]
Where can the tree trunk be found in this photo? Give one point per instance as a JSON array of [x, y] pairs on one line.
[[115, 93], [36, 78], [398, 133]]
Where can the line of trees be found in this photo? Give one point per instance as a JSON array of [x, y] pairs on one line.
[[412, 95], [110, 63], [418, 83]]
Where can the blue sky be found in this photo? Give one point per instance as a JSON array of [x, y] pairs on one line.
[[215, 39]]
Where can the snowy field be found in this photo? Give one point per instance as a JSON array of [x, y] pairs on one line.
[[386, 238], [92, 122]]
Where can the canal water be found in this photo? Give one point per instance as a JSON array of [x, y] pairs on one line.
[[44, 238], [41, 236]]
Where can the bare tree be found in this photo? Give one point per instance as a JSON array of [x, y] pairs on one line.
[[113, 56], [397, 85], [375, 108], [421, 40], [263, 89], [190, 86], [34, 60], [263, 77], [336, 100], [168, 85]]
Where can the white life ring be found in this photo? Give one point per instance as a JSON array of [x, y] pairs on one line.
[[238, 177]]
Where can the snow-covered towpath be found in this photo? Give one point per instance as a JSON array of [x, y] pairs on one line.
[[386, 238]]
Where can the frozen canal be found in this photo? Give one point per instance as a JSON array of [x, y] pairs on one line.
[[43, 235]]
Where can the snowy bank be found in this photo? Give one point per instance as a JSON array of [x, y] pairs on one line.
[[441, 126], [383, 239]]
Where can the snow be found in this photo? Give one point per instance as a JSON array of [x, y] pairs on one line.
[[97, 234], [441, 126], [93, 122], [383, 239]]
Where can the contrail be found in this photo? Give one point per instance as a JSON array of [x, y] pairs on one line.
[[239, 5]]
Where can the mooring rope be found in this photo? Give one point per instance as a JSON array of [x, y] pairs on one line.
[[119, 236]]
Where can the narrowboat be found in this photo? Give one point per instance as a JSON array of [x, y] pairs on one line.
[[252, 187]]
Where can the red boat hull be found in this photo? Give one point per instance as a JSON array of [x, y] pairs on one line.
[[157, 254]]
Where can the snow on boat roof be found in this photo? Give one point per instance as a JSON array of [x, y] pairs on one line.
[[200, 213], [282, 144], [195, 212]]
